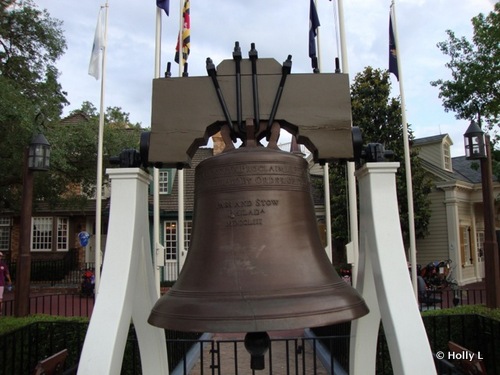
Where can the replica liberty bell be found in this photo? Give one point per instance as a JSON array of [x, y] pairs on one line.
[[255, 262]]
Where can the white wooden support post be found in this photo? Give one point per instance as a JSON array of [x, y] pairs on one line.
[[384, 282], [127, 292]]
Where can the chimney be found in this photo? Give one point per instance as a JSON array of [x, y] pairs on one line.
[[218, 143]]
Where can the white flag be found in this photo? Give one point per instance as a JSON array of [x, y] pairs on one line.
[[95, 60]]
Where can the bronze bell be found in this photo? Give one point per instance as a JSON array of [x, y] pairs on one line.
[[256, 262]]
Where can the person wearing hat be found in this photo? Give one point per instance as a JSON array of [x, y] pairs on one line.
[[4, 274]]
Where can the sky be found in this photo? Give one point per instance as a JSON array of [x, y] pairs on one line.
[[278, 28]]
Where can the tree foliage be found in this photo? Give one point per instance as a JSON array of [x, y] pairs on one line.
[[379, 118], [474, 86], [30, 44], [75, 155]]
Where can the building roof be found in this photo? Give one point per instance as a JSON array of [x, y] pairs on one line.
[[429, 140], [75, 119], [467, 170], [463, 169]]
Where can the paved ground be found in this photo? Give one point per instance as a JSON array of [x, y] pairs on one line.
[[290, 355]]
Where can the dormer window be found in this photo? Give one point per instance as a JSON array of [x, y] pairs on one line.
[[447, 156]]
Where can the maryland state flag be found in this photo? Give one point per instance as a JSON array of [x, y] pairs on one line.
[[186, 35], [393, 57]]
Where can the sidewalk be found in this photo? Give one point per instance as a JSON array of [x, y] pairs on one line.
[[288, 351]]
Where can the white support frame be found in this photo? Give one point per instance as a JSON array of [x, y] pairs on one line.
[[127, 291], [384, 282]]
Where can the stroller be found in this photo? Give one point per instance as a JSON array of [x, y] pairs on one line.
[[87, 287]]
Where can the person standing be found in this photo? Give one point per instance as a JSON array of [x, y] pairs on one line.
[[4, 274]]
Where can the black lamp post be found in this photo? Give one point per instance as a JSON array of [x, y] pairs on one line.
[[477, 147], [36, 158]]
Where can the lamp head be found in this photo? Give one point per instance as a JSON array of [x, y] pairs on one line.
[[39, 153], [474, 141]]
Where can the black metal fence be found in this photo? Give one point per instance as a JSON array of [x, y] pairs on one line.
[[329, 354], [55, 304], [445, 298], [21, 350], [479, 334], [78, 304], [64, 271]]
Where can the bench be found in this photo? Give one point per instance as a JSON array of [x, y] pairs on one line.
[[52, 365], [471, 364]]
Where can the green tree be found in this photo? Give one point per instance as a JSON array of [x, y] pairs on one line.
[[379, 118], [475, 70], [30, 44], [75, 153]]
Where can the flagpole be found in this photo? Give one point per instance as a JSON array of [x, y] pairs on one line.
[[351, 179], [181, 37], [98, 260], [156, 172], [318, 49], [157, 71], [409, 187], [326, 173], [328, 214], [180, 172]]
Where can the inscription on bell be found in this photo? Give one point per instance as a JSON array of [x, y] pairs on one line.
[[247, 203], [246, 212], [259, 176], [257, 168]]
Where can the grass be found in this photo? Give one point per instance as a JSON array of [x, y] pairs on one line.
[[10, 323]]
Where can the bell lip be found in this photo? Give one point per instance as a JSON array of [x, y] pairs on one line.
[[254, 312], [278, 323]]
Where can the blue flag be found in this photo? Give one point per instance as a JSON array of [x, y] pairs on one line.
[[313, 28], [393, 58], [163, 4]]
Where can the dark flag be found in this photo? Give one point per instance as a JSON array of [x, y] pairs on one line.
[[393, 58], [313, 28], [163, 4], [186, 34]]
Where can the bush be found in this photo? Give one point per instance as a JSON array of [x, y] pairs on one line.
[[465, 310], [25, 341], [474, 327], [10, 323]]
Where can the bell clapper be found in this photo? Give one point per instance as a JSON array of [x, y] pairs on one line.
[[257, 344]]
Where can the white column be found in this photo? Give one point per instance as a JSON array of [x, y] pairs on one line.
[[453, 223]]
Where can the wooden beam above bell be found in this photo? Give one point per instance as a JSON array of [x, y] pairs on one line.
[[186, 111]]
